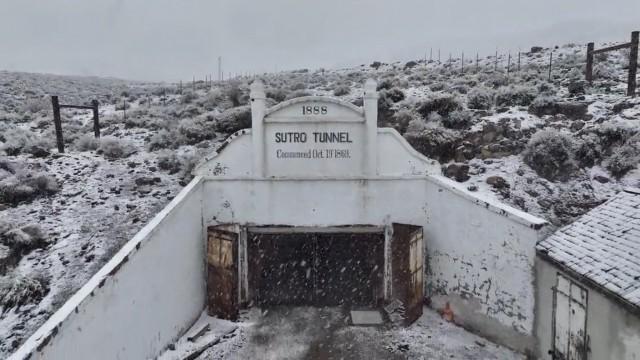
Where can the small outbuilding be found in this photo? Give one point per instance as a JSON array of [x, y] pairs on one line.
[[588, 275]]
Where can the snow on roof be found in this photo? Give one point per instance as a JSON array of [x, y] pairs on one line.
[[603, 246]]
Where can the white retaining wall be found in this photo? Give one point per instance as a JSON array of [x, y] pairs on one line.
[[141, 300]]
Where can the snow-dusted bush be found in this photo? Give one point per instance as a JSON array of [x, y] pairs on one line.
[[196, 130], [436, 143], [604, 71], [544, 105], [164, 139], [401, 119], [37, 105], [515, 95], [480, 98], [625, 158], [443, 104], [496, 80], [549, 153], [86, 142], [394, 94], [17, 290], [588, 151], [113, 148], [234, 119], [21, 186], [23, 240], [341, 90], [18, 140], [236, 95], [278, 95], [168, 161], [188, 97], [416, 126], [458, 119]]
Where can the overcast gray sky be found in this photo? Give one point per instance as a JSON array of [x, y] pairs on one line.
[[171, 40]]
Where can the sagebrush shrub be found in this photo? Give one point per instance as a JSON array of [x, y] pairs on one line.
[[341, 90], [234, 119], [17, 290], [480, 98], [458, 119], [18, 140], [588, 151], [113, 148], [196, 130], [86, 142], [18, 185], [164, 139], [168, 161], [395, 94], [625, 158], [443, 104], [549, 153], [515, 95]]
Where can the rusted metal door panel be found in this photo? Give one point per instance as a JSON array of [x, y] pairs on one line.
[[407, 262], [570, 320], [222, 272]]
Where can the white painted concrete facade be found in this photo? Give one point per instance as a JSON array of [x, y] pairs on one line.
[[612, 330], [479, 254]]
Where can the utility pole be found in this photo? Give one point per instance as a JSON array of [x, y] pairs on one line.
[[430, 54], [518, 61], [509, 65], [633, 63], [495, 66], [550, 63]]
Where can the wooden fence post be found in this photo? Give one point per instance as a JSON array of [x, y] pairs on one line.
[[58, 123], [518, 61], [96, 119], [495, 66], [509, 65], [589, 69], [633, 63]]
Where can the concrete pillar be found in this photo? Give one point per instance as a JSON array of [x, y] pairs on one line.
[[258, 107], [371, 118]]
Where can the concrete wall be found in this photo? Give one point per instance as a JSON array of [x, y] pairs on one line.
[[480, 255], [141, 300], [613, 331]]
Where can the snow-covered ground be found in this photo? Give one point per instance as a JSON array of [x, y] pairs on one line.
[[324, 333]]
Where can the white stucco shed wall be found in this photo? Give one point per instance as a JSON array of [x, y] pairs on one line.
[[613, 330], [141, 300]]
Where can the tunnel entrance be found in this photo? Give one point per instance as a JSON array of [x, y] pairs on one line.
[[313, 268], [354, 265]]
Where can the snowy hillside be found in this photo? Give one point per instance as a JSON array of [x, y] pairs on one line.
[[554, 148]]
